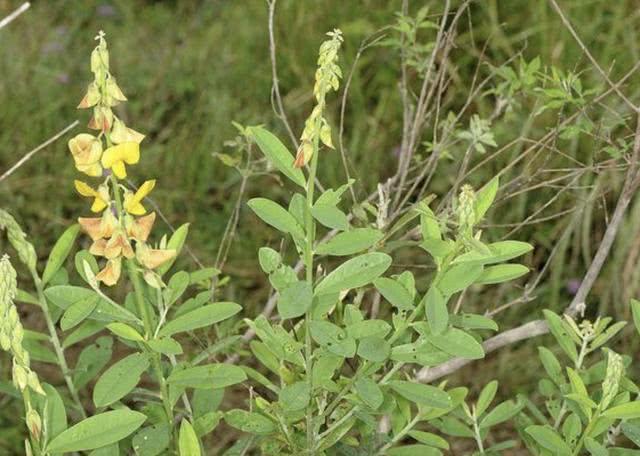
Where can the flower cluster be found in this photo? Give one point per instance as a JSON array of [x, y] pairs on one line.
[[123, 219], [328, 77]]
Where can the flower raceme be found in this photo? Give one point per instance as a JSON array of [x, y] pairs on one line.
[[122, 221]]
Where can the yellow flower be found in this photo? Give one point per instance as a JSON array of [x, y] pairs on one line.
[[140, 228], [86, 151], [115, 157], [113, 248], [120, 133], [132, 202], [152, 258], [100, 197], [111, 272], [99, 227]]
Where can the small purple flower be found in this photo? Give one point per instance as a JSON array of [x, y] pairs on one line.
[[572, 286]]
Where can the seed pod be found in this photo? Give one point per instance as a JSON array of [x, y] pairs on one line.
[[34, 423], [18, 240], [19, 376], [34, 383]]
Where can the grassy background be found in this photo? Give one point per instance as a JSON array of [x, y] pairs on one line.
[[189, 68]]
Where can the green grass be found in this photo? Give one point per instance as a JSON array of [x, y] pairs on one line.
[[190, 68]]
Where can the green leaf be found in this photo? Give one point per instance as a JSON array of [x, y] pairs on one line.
[[165, 345], [91, 361], [628, 411], [151, 440], [394, 292], [277, 154], [330, 216], [78, 312], [251, 422], [502, 273], [374, 348], [119, 379], [413, 450], [276, 216], [84, 331], [269, 259], [473, 321], [485, 197], [549, 439], [502, 412], [204, 316], [295, 396], [333, 338], [354, 273], [595, 448], [176, 242], [421, 394], [80, 258], [498, 252], [436, 310], [60, 252], [560, 333], [207, 376], [125, 331], [430, 439], [457, 342], [551, 365], [64, 296], [177, 285], [55, 416], [458, 277], [369, 392], [350, 242], [188, 444], [97, 431], [295, 300], [368, 328], [635, 309], [632, 432], [487, 395]]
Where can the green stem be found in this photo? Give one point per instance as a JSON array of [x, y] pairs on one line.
[[57, 347], [400, 435], [310, 231], [477, 435]]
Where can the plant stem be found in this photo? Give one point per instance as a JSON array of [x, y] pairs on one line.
[[57, 347], [410, 425], [311, 232]]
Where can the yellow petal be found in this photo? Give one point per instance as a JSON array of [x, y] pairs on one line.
[[111, 273], [119, 170], [84, 189], [98, 247], [98, 205], [139, 229], [92, 226], [128, 152]]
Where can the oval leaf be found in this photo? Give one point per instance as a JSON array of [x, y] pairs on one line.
[[204, 316], [98, 431], [119, 379], [354, 273], [60, 252], [277, 154]]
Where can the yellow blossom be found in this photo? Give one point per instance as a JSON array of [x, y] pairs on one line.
[[111, 272], [99, 227], [132, 201], [86, 151], [118, 245], [140, 228], [152, 258], [115, 157], [120, 133], [100, 196]]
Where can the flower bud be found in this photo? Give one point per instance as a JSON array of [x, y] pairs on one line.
[[262, 403], [34, 423], [19, 376], [101, 119], [113, 93], [91, 98], [466, 208], [34, 383], [120, 133]]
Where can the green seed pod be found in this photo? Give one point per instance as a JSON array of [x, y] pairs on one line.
[[465, 209], [34, 423], [18, 240], [20, 379]]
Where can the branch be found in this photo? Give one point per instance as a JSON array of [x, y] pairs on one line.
[[539, 327], [31, 153], [8, 19]]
